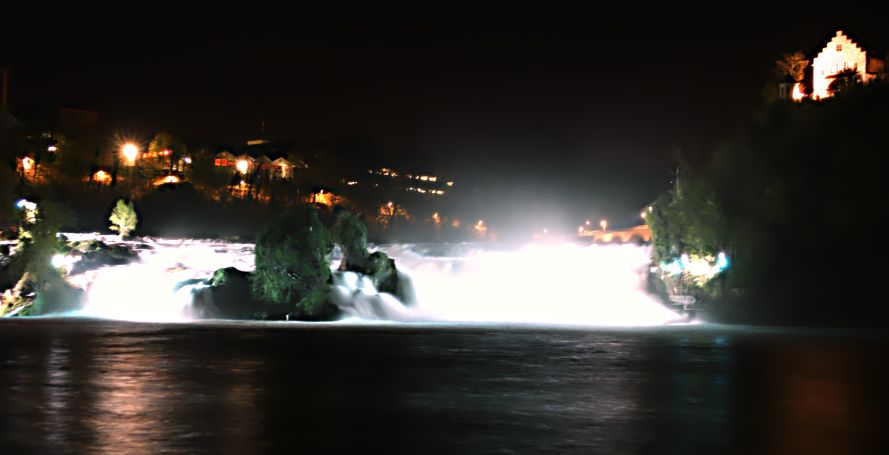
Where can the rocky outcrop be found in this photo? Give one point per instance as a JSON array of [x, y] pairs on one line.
[[227, 295], [95, 254]]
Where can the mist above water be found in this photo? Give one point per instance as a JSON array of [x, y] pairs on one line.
[[538, 283]]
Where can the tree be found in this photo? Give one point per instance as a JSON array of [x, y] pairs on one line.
[[293, 261], [351, 235], [794, 64], [687, 219], [844, 80], [7, 193], [39, 242], [802, 191], [207, 177], [123, 218], [161, 143]]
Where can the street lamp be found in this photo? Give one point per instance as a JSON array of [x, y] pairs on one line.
[[242, 166], [130, 151], [604, 224]]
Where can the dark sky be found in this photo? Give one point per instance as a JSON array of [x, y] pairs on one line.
[[573, 110]]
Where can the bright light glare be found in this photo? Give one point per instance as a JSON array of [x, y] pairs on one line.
[[130, 151], [242, 166], [540, 284], [58, 261], [547, 284]]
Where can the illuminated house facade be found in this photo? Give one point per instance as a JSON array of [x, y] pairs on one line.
[[262, 156], [838, 53]]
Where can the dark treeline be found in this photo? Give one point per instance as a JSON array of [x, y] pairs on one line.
[[798, 202]]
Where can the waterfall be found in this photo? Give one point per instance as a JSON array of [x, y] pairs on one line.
[[547, 284]]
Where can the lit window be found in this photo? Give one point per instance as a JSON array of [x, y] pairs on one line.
[[217, 162], [839, 48]]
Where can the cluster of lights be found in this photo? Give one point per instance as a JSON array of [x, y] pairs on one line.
[[425, 178], [387, 172], [424, 191], [164, 152], [700, 268], [30, 209], [384, 171]]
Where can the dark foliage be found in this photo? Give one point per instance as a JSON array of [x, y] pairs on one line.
[[292, 257]]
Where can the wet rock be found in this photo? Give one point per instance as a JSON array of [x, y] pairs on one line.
[[227, 296], [95, 254]]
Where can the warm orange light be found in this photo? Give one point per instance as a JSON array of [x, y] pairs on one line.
[[455, 224], [102, 177], [798, 94], [480, 228], [130, 151], [839, 54], [242, 166], [643, 214], [435, 218], [167, 179], [604, 224], [324, 198], [27, 163]]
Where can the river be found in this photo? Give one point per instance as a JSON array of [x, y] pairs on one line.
[[91, 386]]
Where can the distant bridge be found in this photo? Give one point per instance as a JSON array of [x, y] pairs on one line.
[[637, 234]]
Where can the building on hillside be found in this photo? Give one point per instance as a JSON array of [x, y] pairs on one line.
[[261, 157], [224, 159], [836, 54], [839, 54]]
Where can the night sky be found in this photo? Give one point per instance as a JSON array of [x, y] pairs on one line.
[[547, 111]]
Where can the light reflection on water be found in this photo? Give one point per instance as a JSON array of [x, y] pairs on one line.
[[107, 387]]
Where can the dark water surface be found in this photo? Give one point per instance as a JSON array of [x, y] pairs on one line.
[[112, 387]]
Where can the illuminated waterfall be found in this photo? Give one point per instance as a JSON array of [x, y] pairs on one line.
[[546, 284]]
